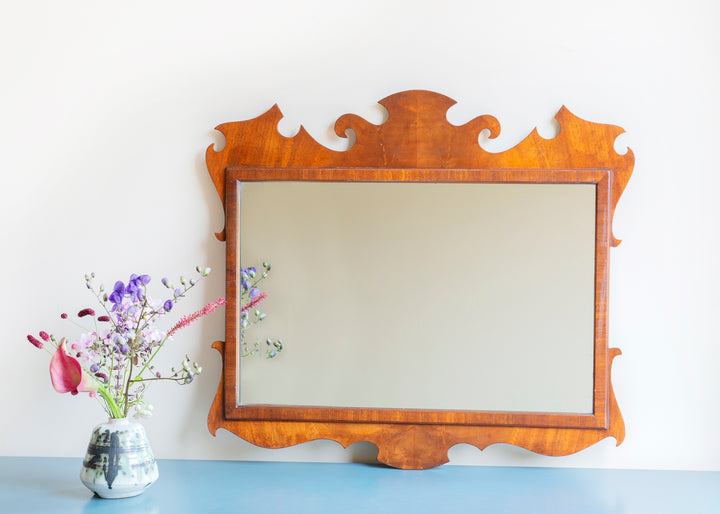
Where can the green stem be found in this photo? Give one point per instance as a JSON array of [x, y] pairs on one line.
[[127, 385], [147, 363], [115, 411]]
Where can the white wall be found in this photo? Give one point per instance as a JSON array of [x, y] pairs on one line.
[[106, 113]]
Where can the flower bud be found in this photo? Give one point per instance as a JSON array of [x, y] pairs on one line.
[[35, 341], [206, 272]]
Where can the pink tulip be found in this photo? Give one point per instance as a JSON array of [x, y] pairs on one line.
[[67, 375]]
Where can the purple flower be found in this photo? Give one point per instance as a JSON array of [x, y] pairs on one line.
[[168, 305], [165, 281], [94, 368], [245, 285], [178, 292], [116, 297], [124, 348], [254, 292], [134, 288], [145, 279]]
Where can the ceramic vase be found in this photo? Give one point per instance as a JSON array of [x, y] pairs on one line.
[[119, 462]]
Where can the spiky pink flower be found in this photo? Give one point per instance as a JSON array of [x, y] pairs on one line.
[[186, 320], [44, 335], [103, 318], [254, 302], [86, 312]]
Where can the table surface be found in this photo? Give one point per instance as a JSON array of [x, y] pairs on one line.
[[40, 484]]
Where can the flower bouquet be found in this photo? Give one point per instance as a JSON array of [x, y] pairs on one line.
[[113, 361]]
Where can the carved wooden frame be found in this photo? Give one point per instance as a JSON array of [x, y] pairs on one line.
[[418, 144]]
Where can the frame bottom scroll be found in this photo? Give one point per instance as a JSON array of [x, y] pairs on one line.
[[415, 446]]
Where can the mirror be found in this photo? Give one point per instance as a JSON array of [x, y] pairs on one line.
[[450, 296], [429, 292]]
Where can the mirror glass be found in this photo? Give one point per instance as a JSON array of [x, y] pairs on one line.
[[423, 295]]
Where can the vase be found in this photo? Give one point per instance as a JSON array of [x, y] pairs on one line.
[[119, 462]]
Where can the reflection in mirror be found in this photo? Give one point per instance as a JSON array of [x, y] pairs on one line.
[[428, 296]]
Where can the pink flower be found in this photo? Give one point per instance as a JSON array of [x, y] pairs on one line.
[[254, 302], [67, 375], [186, 320]]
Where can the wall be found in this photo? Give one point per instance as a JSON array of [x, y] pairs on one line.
[[106, 114]]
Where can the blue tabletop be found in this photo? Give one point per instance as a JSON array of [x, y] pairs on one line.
[[33, 484]]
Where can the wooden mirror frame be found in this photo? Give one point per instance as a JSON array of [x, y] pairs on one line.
[[418, 144]]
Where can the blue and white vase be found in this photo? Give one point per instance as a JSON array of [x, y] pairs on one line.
[[119, 462]]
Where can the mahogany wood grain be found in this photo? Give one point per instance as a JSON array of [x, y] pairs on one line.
[[418, 144]]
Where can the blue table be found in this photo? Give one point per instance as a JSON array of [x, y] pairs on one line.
[[34, 484]]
